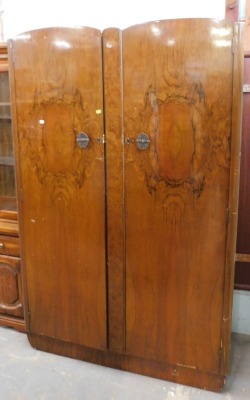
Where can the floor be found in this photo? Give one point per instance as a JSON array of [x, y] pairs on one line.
[[28, 374]]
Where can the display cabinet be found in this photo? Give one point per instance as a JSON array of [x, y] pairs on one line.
[[11, 305]]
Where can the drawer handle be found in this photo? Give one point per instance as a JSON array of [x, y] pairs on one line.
[[1, 245]]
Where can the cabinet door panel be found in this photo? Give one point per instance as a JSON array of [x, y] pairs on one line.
[[11, 302], [177, 79], [57, 80]]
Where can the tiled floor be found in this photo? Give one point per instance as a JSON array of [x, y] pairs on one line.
[[28, 374]]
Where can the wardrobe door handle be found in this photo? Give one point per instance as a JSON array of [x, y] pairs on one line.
[[82, 140], [142, 141]]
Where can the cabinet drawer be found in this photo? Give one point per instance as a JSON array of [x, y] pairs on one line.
[[9, 245]]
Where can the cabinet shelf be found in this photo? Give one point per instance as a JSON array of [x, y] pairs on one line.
[[8, 117], [8, 208], [7, 160]]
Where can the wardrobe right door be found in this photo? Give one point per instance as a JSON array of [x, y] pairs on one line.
[[177, 106]]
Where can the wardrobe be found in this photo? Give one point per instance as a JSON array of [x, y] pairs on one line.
[[127, 164]]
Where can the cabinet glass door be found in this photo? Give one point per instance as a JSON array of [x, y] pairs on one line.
[[7, 173]]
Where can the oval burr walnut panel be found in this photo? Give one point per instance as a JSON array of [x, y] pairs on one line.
[[175, 142], [10, 286]]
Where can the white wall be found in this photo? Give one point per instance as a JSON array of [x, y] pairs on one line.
[[23, 15], [241, 312]]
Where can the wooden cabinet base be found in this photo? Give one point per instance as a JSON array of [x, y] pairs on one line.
[[10, 322], [175, 373]]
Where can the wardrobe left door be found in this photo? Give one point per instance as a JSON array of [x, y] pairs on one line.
[[57, 106]]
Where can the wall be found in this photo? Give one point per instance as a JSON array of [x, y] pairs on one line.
[[20, 16], [241, 312], [1, 21]]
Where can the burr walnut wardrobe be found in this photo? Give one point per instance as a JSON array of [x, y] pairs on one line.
[[127, 149]]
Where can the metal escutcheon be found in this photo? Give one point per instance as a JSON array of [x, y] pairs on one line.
[[142, 141], [82, 139]]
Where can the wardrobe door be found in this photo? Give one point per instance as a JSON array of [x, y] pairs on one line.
[[58, 111], [177, 103]]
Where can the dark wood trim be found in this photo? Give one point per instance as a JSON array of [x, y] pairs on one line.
[[242, 257], [239, 286], [242, 273]]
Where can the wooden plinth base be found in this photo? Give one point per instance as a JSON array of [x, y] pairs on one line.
[[174, 373]]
